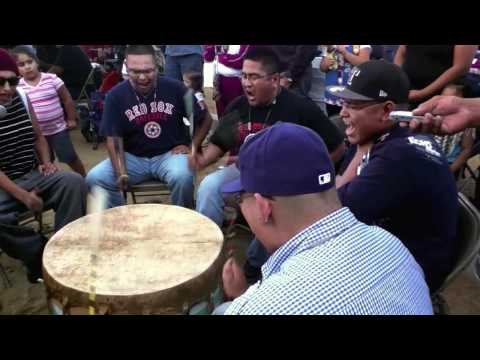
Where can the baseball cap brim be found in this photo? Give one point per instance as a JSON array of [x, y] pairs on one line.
[[233, 187], [344, 93]]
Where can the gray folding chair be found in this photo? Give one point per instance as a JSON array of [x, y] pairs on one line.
[[83, 96], [468, 247]]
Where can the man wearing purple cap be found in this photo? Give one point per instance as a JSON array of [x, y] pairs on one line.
[[28, 180], [393, 178], [322, 259]]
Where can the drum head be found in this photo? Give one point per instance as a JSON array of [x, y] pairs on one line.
[[137, 249]]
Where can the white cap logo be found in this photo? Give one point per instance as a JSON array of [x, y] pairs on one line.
[[324, 178], [355, 73], [382, 93]]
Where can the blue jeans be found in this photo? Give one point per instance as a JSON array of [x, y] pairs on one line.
[[172, 169], [176, 66], [209, 195]]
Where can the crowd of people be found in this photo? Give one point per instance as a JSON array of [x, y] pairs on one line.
[[353, 219]]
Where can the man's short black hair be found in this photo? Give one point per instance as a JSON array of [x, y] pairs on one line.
[[140, 50], [266, 56]]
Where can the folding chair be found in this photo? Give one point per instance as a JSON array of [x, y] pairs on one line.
[[147, 188], [83, 96], [474, 173], [29, 216], [468, 247]]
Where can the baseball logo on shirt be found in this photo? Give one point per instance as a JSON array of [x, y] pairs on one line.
[[152, 130]]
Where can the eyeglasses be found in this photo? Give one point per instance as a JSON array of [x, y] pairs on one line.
[[12, 81], [137, 73], [358, 105], [255, 77]]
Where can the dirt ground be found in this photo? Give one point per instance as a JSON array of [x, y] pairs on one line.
[[463, 296]]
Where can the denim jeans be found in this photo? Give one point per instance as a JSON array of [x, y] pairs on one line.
[[172, 169], [209, 195], [176, 66]]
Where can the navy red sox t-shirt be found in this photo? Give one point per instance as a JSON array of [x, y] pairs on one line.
[[151, 125], [407, 188]]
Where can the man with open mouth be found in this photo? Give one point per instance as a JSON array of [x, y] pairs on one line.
[[391, 177]]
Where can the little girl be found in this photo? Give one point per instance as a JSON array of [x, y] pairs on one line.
[[457, 147], [45, 92]]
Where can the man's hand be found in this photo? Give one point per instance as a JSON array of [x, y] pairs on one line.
[[196, 161], [180, 149], [234, 281], [32, 201], [122, 182], [415, 95], [47, 169], [193, 161], [71, 124], [443, 115]]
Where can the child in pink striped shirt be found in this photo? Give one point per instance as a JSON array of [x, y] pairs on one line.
[[47, 92]]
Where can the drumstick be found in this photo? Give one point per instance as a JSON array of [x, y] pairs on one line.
[[118, 147], [96, 206]]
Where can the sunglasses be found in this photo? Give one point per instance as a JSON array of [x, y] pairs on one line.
[[12, 81]]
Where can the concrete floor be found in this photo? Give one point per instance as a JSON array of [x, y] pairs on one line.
[[463, 295]]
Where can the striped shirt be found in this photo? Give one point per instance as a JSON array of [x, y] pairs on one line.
[[17, 140], [46, 103], [339, 266]]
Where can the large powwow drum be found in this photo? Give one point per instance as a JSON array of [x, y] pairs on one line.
[[135, 259]]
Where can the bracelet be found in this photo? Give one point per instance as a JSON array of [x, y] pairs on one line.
[[123, 176]]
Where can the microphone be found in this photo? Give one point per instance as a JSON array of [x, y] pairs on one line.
[[3, 111]]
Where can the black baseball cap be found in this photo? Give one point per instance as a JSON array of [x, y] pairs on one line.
[[374, 80]]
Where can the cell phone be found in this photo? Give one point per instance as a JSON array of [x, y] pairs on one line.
[[403, 116]]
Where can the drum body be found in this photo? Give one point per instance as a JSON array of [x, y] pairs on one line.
[[140, 259]]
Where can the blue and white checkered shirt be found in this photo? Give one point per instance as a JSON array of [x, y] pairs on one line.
[[340, 266]]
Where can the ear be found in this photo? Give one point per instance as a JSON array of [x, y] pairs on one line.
[[388, 107], [264, 207], [276, 77]]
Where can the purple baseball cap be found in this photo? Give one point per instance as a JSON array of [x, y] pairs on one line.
[[282, 160]]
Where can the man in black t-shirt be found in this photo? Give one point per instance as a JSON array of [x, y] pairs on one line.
[[264, 103], [296, 66]]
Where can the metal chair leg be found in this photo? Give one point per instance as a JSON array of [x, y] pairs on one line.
[[5, 279]]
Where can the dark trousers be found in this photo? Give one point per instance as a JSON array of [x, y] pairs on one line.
[[64, 192]]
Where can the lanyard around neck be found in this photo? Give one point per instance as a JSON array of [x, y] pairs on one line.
[[265, 123], [144, 97]]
